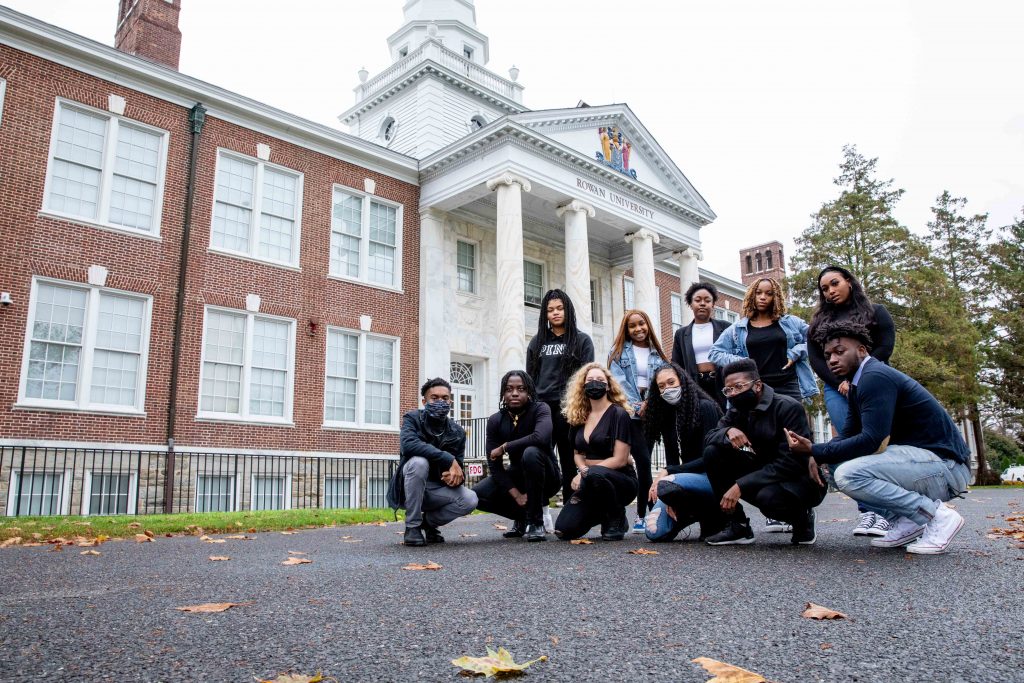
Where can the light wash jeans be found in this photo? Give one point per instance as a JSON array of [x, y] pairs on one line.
[[694, 494], [902, 481]]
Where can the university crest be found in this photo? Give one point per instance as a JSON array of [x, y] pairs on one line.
[[615, 150]]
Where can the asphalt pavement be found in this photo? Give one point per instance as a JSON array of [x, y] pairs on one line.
[[596, 611]]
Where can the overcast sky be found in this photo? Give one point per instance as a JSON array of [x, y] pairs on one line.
[[753, 99]]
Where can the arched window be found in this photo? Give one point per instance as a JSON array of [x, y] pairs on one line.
[[759, 268], [750, 264], [461, 373], [768, 258], [388, 129], [477, 122]]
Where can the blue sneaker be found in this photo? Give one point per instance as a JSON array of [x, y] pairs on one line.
[[639, 527]]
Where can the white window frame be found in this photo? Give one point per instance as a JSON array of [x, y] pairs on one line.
[[85, 366], [87, 492], [596, 309], [286, 498], [243, 415], [234, 487], [364, 239], [476, 266], [676, 305], [3, 97], [107, 171], [726, 315], [63, 503], [353, 490], [384, 493], [256, 210], [543, 281], [396, 363]]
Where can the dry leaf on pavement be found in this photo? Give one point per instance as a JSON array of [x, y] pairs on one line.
[[297, 560], [813, 611], [143, 538], [287, 533], [501, 527], [149, 533], [210, 607], [642, 551], [495, 664], [727, 673], [300, 678], [219, 558], [239, 537], [467, 535], [7, 543], [419, 566], [581, 541], [90, 552], [353, 540], [295, 552]]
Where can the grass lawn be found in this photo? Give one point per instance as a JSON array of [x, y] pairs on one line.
[[126, 526]]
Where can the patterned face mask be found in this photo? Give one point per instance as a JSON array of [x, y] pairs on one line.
[[438, 409]]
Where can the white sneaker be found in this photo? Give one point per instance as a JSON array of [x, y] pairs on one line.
[[775, 526], [880, 527], [902, 532], [864, 524], [938, 533], [549, 524]]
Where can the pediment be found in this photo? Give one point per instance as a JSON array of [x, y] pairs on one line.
[[612, 135]]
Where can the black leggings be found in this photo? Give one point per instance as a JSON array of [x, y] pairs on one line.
[[602, 496], [537, 476], [560, 441], [639, 449]]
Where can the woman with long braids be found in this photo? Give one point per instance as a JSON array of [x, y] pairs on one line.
[[841, 298], [557, 351], [681, 494], [521, 430], [635, 356], [605, 480]]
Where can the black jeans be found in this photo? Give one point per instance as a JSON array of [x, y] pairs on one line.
[[790, 388], [560, 441], [726, 464], [537, 477], [639, 449], [602, 496], [669, 438], [711, 383]]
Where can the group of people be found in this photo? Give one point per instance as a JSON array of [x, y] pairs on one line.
[[728, 407]]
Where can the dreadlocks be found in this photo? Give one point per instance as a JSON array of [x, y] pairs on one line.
[[687, 411], [572, 359], [531, 391]]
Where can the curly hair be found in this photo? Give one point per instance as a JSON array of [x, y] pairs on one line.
[[845, 328], [576, 405], [687, 411], [858, 305], [531, 390], [623, 335], [778, 300], [696, 287]]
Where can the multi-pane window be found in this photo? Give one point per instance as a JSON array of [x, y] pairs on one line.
[[247, 367], [677, 312], [339, 492], [361, 387], [726, 315], [365, 237], [269, 492], [215, 493], [376, 492], [109, 494], [37, 493], [595, 302], [465, 266], [257, 209], [86, 348], [106, 169], [3, 96], [533, 283]]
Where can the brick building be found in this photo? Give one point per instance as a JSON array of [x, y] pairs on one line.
[[217, 304]]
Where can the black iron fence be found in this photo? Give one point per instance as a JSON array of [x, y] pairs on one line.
[[74, 481]]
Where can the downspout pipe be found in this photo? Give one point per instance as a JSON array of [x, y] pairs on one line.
[[196, 119]]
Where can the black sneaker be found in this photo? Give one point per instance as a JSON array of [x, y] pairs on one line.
[[414, 536], [517, 530], [734, 533], [616, 527], [535, 532], [431, 534], [804, 534]]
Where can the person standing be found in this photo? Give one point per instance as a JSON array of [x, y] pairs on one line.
[[520, 430], [605, 480], [841, 298], [635, 356], [557, 351], [691, 347]]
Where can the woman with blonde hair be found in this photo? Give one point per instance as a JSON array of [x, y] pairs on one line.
[[599, 417], [635, 357]]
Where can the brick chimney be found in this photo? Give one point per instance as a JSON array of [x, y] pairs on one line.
[[149, 29]]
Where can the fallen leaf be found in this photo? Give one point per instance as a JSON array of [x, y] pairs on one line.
[[134, 525], [554, 640], [297, 560], [204, 537], [295, 552], [251, 530], [353, 540], [215, 540], [149, 533], [219, 558], [825, 646], [418, 566], [210, 607], [239, 537], [287, 533], [299, 678], [860, 561], [143, 538], [813, 611], [498, 663], [501, 527], [57, 548], [581, 541], [83, 523], [643, 551], [727, 673], [36, 535], [467, 535], [7, 543], [345, 538], [90, 552]]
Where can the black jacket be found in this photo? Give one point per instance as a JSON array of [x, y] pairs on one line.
[[691, 441], [440, 450], [533, 429], [682, 344], [763, 426]]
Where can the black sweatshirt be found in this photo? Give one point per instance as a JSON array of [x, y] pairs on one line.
[[883, 336], [532, 429], [548, 355]]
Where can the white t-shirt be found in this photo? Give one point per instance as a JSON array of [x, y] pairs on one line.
[[642, 354], [703, 340]]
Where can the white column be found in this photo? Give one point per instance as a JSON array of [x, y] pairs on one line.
[[511, 325], [435, 359], [577, 260], [688, 274], [644, 292], [618, 298]]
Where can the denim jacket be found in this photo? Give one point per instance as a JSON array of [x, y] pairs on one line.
[[623, 371], [732, 346]]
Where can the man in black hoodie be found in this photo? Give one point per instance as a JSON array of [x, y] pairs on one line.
[[430, 474]]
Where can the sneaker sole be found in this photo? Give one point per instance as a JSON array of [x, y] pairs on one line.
[[865, 532], [937, 550], [874, 532], [810, 542], [900, 543], [739, 541], [776, 529]]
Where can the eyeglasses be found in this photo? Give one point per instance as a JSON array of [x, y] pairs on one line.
[[737, 388]]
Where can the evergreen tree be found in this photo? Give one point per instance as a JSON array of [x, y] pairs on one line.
[[1005, 353]]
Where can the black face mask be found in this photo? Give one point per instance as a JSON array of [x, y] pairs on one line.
[[595, 389], [745, 400]]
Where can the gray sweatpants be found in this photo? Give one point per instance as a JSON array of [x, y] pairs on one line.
[[441, 503]]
